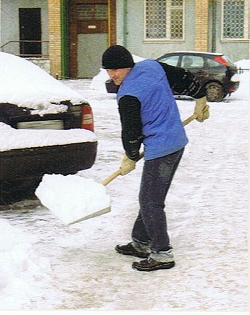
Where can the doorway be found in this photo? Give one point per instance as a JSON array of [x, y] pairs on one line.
[[92, 37], [30, 32], [92, 29]]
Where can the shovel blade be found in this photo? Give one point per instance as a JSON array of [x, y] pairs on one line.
[[73, 198]]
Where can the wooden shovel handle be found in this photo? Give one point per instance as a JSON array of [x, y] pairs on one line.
[[189, 119], [111, 177]]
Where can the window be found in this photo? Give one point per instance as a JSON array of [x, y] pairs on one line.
[[92, 11], [235, 17], [164, 19], [189, 62], [212, 63], [171, 60]]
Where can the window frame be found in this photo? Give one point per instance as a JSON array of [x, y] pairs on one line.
[[245, 23], [168, 25]]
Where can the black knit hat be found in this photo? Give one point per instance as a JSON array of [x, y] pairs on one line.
[[117, 57]]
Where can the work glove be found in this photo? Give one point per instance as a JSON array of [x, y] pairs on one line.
[[127, 165], [200, 110]]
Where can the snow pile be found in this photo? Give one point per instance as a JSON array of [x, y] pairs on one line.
[[20, 267], [73, 198], [243, 64], [98, 81], [28, 138], [25, 84]]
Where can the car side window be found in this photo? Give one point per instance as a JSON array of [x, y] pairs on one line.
[[189, 62], [171, 60], [212, 63]]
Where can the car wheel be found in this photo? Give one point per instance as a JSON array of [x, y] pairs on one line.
[[215, 92]]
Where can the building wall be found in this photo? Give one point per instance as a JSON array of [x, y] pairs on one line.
[[55, 51], [9, 21], [235, 50], [130, 30], [43, 63], [202, 29], [200, 26]]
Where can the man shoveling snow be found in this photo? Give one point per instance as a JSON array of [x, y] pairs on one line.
[[149, 116]]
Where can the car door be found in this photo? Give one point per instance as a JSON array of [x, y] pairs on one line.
[[195, 64]]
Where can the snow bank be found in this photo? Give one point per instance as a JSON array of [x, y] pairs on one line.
[[20, 267], [243, 64], [73, 198], [27, 138], [25, 84]]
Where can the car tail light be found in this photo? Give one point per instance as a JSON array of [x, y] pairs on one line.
[[87, 118], [221, 60]]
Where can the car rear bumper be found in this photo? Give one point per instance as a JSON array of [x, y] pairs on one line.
[[22, 169], [232, 87]]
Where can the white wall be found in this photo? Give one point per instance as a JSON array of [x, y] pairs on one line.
[[9, 20], [235, 50], [132, 35], [134, 40]]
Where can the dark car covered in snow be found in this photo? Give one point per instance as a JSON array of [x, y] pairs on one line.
[[45, 128]]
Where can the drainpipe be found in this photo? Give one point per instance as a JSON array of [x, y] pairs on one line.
[[64, 39], [214, 18], [125, 22]]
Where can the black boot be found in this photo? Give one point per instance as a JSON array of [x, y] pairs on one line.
[[151, 264], [129, 249]]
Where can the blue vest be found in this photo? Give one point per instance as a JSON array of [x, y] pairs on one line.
[[162, 127]]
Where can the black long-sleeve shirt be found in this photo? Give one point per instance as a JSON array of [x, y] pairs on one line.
[[181, 82]]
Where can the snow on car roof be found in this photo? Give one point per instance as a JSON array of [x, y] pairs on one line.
[[25, 84]]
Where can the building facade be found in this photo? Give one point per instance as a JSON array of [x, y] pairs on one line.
[[67, 37], [152, 27]]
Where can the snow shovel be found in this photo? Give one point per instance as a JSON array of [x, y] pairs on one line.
[[72, 198], [111, 177]]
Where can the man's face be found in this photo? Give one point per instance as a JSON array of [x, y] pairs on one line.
[[118, 75]]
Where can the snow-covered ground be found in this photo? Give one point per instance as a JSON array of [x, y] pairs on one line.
[[46, 265]]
